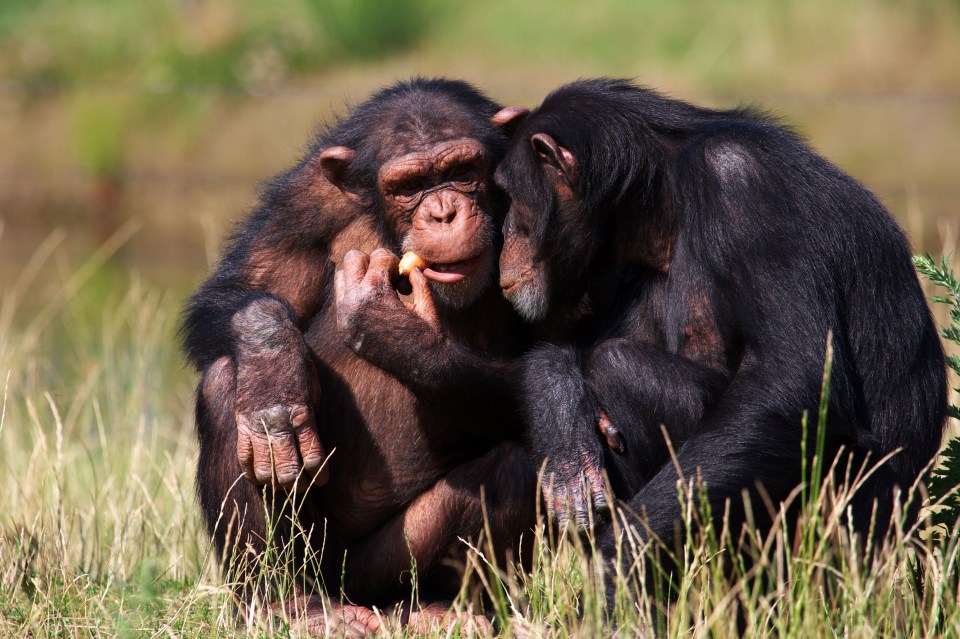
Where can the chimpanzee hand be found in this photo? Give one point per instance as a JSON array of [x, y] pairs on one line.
[[276, 387], [376, 323], [572, 483], [568, 429], [577, 474]]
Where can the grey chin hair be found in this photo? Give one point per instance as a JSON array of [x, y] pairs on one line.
[[530, 302]]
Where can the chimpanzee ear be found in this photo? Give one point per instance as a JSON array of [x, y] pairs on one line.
[[555, 155], [509, 118], [334, 163]]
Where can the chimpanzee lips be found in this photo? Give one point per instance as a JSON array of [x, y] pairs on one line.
[[453, 271]]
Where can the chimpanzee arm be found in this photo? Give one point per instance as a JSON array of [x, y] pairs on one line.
[[639, 388], [280, 253], [410, 342], [439, 368], [257, 334], [249, 315]]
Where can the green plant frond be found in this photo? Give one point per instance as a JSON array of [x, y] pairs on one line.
[[953, 361], [943, 497]]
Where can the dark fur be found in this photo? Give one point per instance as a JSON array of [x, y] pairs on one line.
[[694, 276], [295, 223], [405, 443]]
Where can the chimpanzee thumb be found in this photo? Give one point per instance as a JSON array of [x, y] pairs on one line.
[[423, 304]]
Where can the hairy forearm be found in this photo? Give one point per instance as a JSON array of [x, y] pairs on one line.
[[439, 369]]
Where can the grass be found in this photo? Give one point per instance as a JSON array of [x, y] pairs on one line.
[[170, 112], [181, 106], [100, 535]]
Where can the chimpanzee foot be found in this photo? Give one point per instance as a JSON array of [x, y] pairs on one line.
[[431, 616], [311, 617], [345, 621]]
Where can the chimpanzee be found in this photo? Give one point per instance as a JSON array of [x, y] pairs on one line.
[[307, 348], [687, 266]]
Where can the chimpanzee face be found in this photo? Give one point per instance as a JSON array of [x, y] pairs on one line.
[[430, 176], [523, 277], [541, 246], [437, 201]]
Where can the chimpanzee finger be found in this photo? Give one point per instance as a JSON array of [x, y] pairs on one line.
[[611, 433], [580, 503], [423, 304], [557, 502], [383, 264], [355, 265], [311, 450], [338, 287], [245, 450], [344, 303], [596, 487], [276, 458], [285, 458]]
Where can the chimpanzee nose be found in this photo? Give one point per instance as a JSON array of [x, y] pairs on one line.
[[444, 206], [444, 212]]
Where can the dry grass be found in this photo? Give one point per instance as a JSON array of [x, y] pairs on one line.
[[99, 532]]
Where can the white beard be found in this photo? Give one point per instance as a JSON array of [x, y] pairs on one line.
[[530, 299]]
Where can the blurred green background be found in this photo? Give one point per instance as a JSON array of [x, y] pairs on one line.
[[167, 113], [133, 131]]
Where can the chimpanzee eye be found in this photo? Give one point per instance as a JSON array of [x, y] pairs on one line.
[[459, 173], [412, 185]]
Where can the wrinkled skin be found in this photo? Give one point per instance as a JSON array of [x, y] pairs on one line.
[[437, 201], [376, 411], [275, 442], [365, 280]]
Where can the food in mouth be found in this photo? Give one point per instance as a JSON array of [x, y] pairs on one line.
[[409, 261], [442, 273]]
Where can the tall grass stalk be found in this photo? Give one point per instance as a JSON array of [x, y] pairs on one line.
[[99, 532]]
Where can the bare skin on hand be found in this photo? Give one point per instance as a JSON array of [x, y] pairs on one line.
[[391, 414]]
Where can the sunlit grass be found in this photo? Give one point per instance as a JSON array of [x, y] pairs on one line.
[[100, 533]]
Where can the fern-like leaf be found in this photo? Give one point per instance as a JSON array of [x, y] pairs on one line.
[[943, 487]]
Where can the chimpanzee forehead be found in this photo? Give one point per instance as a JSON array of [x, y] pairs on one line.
[[438, 158], [422, 125]]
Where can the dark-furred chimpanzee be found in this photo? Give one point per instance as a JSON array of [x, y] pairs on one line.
[[307, 348], [688, 265]]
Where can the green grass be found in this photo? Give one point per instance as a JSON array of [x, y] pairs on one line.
[[100, 535], [99, 530]]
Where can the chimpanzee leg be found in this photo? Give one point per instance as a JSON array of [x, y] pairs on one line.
[[235, 512], [638, 387], [232, 508], [645, 390], [428, 532]]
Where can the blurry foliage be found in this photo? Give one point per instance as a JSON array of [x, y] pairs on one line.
[[99, 124], [244, 44], [368, 29], [182, 45], [232, 43]]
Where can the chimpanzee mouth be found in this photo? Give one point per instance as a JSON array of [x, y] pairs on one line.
[[454, 271], [513, 288]]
